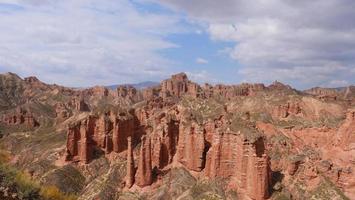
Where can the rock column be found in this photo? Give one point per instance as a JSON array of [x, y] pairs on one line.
[[130, 164], [144, 171]]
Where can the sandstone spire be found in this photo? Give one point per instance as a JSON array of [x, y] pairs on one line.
[[130, 164], [144, 171], [85, 150]]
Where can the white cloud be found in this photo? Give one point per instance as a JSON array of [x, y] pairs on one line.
[[293, 41], [201, 76], [201, 61], [84, 42]]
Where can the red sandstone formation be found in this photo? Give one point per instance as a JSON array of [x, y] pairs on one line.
[[96, 91], [151, 92], [164, 141], [232, 156], [191, 146], [283, 111], [144, 176], [178, 85], [123, 128], [322, 91], [349, 92], [129, 92], [276, 85], [228, 91], [61, 111], [171, 134], [78, 104], [345, 135], [79, 144], [130, 164], [20, 117], [107, 132]]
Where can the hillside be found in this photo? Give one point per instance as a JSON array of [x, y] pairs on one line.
[[178, 140]]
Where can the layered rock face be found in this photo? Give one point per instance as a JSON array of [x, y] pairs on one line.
[[191, 146], [78, 104], [283, 111], [240, 159], [144, 176], [229, 91], [129, 92], [347, 93], [130, 164], [346, 133], [259, 141], [106, 133], [322, 91], [171, 139], [178, 85], [20, 116]]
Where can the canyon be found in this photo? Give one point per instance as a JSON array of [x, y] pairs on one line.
[[182, 140]]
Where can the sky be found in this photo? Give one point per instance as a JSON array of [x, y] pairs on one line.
[[88, 42]]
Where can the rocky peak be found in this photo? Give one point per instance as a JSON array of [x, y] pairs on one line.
[[20, 116], [182, 77], [349, 92], [31, 79], [276, 85], [10, 75], [321, 91], [178, 85]]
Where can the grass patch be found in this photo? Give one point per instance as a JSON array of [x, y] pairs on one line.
[[24, 186]]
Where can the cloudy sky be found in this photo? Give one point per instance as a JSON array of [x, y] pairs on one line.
[[87, 42]]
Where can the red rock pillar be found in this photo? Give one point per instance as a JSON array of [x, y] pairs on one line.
[[115, 135], [191, 148], [72, 143], [213, 160], [144, 171], [85, 149], [130, 164], [262, 177]]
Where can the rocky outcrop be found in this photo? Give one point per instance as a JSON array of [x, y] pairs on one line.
[[19, 116], [276, 85], [191, 146], [98, 91], [325, 94], [144, 176], [130, 164], [108, 132], [78, 104], [151, 92], [164, 143], [244, 162], [61, 111], [172, 138], [179, 85], [283, 111], [230, 91], [129, 92], [79, 144], [349, 92], [318, 91], [345, 134]]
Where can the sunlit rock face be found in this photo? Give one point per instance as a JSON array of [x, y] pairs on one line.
[[179, 140]]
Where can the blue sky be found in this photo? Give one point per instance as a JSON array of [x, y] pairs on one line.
[[88, 42]]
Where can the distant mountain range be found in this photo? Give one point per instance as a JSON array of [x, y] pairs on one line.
[[140, 85]]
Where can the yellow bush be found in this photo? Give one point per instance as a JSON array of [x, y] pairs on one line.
[[53, 193], [24, 180]]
